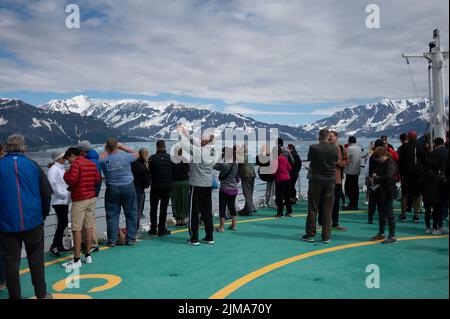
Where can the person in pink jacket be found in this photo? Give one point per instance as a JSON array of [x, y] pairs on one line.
[[283, 186]]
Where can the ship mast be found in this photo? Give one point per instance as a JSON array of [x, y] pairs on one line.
[[435, 57]]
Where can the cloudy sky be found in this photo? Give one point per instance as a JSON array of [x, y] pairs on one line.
[[285, 61]]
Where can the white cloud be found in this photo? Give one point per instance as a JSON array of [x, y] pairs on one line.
[[240, 51]]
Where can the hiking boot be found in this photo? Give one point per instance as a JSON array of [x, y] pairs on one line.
[[54, 252], [163, 232], [390, 240], [378, 237], [308, 238]]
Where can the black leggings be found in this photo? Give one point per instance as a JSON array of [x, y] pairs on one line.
[[62, 212], [435, 212], [227, 201], [283, 197]]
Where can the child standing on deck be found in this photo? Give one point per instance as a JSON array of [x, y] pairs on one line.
[[283, 185], [228, 187]]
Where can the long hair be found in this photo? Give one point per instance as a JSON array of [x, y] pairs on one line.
[[144, 156]]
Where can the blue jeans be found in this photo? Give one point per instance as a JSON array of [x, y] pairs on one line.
[[117, 197], [2, 266]]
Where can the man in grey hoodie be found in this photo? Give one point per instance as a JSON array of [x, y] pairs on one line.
[[202, 163], [352, 172]]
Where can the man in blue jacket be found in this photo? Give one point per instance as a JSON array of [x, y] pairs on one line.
[[25, 194]]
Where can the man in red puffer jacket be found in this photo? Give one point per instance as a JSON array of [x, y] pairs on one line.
[[82, 178]]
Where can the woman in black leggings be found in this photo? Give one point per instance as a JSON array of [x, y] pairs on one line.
[[60, 201]]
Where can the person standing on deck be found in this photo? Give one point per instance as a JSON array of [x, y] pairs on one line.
[[180, 188], [60, 201], [228, 191], [2, 262], [89, 153], [248, 176], [323, 158], [120, 192], [82, 178], [203, 159], [283, 185], [25, 195], [341, 163], [411, 164], [161, 169], [383, 182], [352, 171], [295, 172], [263, 160], [141, 174], [369, 170]]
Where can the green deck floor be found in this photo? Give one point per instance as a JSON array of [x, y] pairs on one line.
[[168, 268]]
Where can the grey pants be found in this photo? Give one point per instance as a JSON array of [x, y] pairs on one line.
[[320, 197], [248, 186], [270, 192]]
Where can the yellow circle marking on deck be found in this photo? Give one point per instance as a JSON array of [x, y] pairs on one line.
[[228, 290], [49, 263], [111, 282]]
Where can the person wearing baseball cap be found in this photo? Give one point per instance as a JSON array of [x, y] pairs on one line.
[[59, 201], [87, 150]]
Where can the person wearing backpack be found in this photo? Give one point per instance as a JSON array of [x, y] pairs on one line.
[[263, 160], [228, 190], [295, 172], [141, 174]]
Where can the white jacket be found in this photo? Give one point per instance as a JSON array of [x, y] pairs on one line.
[[61, 195]]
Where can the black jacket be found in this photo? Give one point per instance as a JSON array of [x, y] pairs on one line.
[[432, 187], [141, 174], [439, 159], [412, 158], [386, 178], [180, 172], [297, 164], [161, 169]]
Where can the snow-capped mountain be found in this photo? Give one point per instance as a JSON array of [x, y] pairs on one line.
[[49, 128], [155, 120], [387, 117]]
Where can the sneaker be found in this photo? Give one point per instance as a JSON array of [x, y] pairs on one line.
[[308, 238], [328, 241], [47, 296], [444, 231], [95, 249], [153, 232], [366, 203], [378, 237], [278, 216], [54, 252], [193, 242], [88, 259], [340, 228], [402, 218], [163, 232], [390, 240], [436, 232], [288, 215], [370, 222], [130, 243], [72, 264], [416, 220], [428, 231], [209, 242], [63, 250]]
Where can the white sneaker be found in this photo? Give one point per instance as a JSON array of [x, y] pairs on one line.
[[443, 230], [428, 231], [72, 264], [88, 260], [366, 203], [436, 232]]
